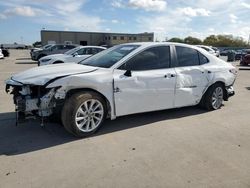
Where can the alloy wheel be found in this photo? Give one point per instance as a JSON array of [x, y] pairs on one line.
[[217, 98], [89, 115]]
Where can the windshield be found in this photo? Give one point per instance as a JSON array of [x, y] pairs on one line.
[[108, 58], [70, 52], [47, 46]]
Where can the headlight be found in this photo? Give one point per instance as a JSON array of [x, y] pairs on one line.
[[45, 60]]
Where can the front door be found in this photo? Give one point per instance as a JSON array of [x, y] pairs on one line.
[[150, 86]]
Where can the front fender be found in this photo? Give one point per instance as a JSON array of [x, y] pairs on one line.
[[101, 85]]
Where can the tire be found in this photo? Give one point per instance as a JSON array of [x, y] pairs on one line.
[[213, 98], [83, 113]]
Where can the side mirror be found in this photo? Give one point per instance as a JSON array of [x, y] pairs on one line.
[[128, 73], [75, 54]]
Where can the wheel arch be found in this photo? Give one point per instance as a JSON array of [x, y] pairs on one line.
[[57, 62], [224, 88], [108, 103]]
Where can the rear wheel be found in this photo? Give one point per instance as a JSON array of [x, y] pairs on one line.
[[83, 113], [213, 98]]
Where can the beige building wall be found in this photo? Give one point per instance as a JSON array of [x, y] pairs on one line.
[[92, 38], [82, 37], [49, 36]]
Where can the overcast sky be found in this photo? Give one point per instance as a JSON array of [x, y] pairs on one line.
[[22, 20]]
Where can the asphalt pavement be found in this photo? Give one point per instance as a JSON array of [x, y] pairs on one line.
[[185, 147]]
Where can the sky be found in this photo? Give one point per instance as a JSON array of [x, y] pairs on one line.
[[22, 20]]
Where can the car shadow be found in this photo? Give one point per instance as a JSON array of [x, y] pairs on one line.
[[28, 137], [27, 62], [25, 58], [248, 88]]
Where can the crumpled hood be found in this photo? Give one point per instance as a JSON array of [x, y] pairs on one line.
[[41, 75]]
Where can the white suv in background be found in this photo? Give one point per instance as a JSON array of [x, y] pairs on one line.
[[72, 56]]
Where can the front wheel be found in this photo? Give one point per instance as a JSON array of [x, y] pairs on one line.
[[214, 97], [83, 113]]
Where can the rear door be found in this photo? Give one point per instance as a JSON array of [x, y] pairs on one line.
[[192, 79]]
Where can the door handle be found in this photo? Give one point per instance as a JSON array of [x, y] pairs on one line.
[[117, 90]]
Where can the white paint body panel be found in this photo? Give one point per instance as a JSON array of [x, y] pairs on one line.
[[190, 85], [144, 91], [67, 58], [41, 75]]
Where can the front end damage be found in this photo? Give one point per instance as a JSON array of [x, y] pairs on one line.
[[32, 101]]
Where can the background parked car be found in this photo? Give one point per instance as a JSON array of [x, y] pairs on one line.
[[53, 49], [5, 52], [72, 56], [245, 60], [1, 54], [239, 54], [224, 52], [42, 48], [208, 49], [217, 51]]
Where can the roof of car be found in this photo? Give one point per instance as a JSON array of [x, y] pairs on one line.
[[93, 47], [147, 44]]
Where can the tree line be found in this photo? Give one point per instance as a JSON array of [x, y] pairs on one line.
[[214, 40]]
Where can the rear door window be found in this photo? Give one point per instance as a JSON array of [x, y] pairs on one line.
[[203, 59], [187, 56]]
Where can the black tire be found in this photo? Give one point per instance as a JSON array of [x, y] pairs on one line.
[[207, 100], [70, 111]]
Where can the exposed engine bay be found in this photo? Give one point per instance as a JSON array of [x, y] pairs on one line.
[[32, 101]]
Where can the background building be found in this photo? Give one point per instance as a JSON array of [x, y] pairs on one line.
[[93, 38]]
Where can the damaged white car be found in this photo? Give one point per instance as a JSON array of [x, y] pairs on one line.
[[125, 79]]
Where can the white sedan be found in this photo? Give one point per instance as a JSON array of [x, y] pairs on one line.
[[125, 79], [72, 56]]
